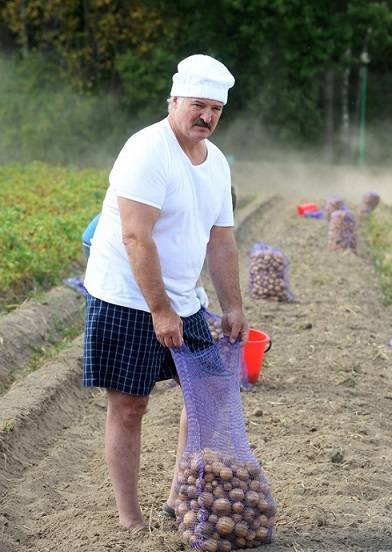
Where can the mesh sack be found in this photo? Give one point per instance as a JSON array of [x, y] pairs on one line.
[[269, 274], [368, 203], [224, 501], [214, 322], [342, 231], [333, 203]]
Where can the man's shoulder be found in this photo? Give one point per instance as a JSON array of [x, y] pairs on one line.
[[145, 143], [155, 132], [217, 154]]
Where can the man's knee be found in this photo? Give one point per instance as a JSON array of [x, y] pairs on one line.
[[129, 409]]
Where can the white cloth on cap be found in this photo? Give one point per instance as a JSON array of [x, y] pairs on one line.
[[201, 76]]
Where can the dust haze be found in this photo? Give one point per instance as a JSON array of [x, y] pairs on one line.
[[260, 167]]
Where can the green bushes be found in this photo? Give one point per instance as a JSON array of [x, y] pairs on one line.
[[378, 231], [44, 212]]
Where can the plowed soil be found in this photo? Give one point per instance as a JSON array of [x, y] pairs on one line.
[[319, 419]]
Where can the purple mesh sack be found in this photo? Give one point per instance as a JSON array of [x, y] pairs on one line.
[[368, 203], [333, 203], [342, 231], [214, 322], [269, 273], [224, 501]]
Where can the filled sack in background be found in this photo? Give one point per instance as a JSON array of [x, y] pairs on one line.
[[333, 203], [368, 203], [342, 231], [269, 273]]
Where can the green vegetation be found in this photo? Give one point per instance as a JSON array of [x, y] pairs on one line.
[[378, 231], [7, 425], [94, 71], [44, 211]]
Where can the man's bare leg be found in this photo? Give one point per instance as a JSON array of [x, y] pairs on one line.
[[122, 450], [182, 436]]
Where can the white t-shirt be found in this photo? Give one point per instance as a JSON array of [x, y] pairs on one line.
[[154, 170]]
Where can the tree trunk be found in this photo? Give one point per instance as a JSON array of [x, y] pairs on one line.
[[329, 114], [345, 129], [24, 37]]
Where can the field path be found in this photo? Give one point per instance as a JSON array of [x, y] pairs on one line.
[[319, 419]]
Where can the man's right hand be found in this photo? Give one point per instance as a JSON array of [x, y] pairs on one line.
[[168, 327]]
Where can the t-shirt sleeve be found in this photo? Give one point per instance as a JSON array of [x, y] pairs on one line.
[[139, 172], [226, 217]]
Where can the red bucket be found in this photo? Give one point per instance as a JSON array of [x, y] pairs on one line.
[[306, 208], [253, 353]]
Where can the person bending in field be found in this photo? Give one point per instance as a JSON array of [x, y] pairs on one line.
[[167, 208]]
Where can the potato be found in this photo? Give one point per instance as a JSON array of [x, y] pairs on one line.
[[221, 506], [209, 545], [241, 529], [190, 518], [206, 500], [254, 485], [226, 474], [240, 542], [251, 498], [238, 507], [242, 474], [236, 494], [261, 533], [224, 546], [218, 492], [182, 508], [225, 525]]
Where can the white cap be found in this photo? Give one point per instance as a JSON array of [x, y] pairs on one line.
[[201, 76]]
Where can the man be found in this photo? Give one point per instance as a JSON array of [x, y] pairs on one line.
[[168, 206]]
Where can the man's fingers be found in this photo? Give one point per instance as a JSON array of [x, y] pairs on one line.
[[244, 336], [178, 340], [171, 340], [235, 331]]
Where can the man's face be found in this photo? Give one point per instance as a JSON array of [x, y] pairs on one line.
[[196, 118]]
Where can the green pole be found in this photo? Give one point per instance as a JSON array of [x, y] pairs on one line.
[[363, 99]]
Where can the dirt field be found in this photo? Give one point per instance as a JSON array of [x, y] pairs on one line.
[[319, 419]]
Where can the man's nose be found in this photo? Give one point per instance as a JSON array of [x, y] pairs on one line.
[[206, 115]]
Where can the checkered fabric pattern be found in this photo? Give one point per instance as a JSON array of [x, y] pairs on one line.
[[122, 352]]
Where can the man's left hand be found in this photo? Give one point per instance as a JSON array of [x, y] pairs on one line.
[[234, 325]]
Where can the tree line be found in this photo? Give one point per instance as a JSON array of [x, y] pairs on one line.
[[298, 63]]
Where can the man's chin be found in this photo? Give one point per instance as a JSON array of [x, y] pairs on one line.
[[202, 130]]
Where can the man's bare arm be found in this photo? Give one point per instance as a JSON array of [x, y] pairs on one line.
[[222, 260], [137, 222]]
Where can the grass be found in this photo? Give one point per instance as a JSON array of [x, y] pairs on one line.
[[44, 211], [7, 425], [377, 229]]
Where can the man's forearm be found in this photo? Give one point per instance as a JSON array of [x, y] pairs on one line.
[[222, 264], [144, 260]]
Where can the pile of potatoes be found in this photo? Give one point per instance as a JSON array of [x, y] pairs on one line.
[[334, 203], [368, 203], [342, 231], [268, 275], [222, 504], [215, 326]]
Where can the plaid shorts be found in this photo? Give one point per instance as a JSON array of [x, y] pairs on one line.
[[121, 350]]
